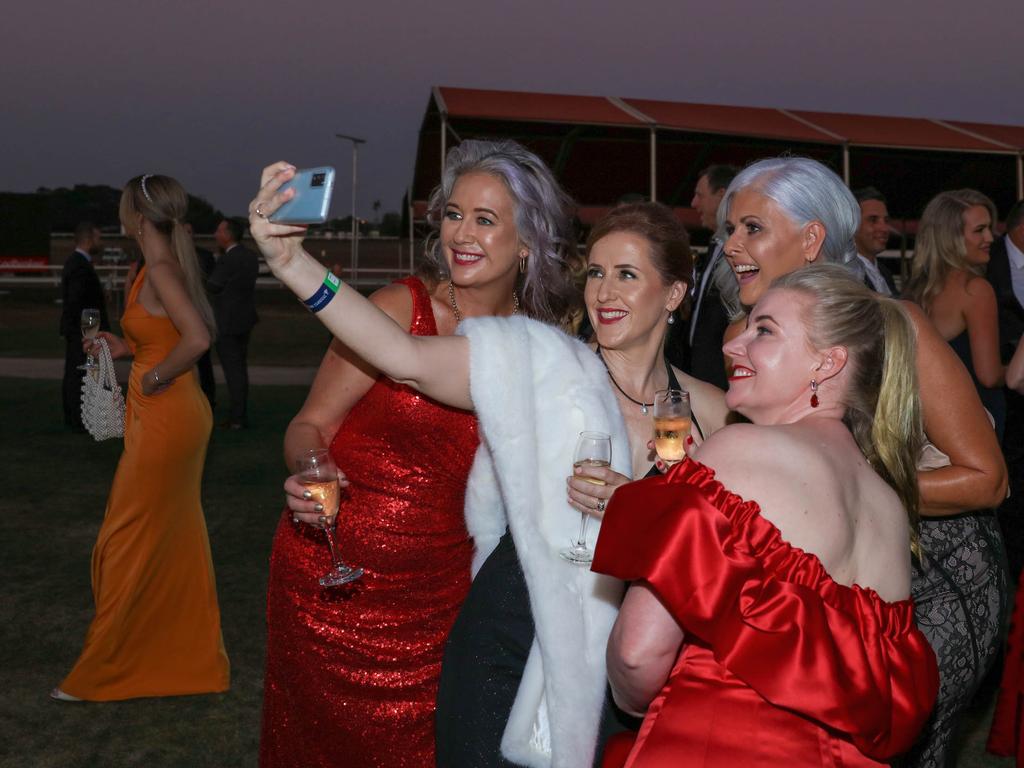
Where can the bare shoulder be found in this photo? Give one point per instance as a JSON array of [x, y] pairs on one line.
[[165, 273], [707, 400], [763, 462], [978, 288], [739, 453]]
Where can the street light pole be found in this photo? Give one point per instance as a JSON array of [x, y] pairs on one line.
[[354, 265]]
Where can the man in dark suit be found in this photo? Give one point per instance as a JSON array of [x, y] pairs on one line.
[[80, 289], [205, 363], [232, 285], [702, 339], [1006, 274], [871, 238]]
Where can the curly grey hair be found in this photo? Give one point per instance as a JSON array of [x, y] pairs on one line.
[[543, 218]]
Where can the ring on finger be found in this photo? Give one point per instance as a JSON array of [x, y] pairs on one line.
[[601, 505], [258, 212]]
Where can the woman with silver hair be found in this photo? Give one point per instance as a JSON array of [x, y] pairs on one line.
[[352, 672], [784, 213]]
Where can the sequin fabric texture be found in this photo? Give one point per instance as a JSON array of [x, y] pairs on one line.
[[351, 673]]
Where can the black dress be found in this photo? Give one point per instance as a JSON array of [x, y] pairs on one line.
[[484, 661], [991, 397]]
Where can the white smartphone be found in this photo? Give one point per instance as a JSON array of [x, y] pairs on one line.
[[312, 200]]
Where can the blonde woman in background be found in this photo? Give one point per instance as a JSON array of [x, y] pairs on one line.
[[157, 626], [948, 282]]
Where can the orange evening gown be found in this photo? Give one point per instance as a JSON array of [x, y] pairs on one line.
[[157, 626], [780, 664]]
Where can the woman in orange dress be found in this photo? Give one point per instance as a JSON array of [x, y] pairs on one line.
[[157, 626]]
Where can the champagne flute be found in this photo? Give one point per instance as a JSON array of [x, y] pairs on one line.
[[593, 450], [318, 473], [672, 422], [90, 325]]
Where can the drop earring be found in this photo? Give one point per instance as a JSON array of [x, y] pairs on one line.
[[671, 318], [814, 393], [522, 264]]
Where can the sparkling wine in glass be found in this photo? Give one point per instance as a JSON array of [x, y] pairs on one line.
[[319, 475], [593, 450], [90, 325], [672, 423]]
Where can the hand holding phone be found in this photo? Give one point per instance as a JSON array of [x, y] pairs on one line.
[[312, 198]]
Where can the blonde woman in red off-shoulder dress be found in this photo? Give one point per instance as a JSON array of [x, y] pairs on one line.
[[769, 620]]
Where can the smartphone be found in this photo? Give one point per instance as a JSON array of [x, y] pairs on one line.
[[312, 200]]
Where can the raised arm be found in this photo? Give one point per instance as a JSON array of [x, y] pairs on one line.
[[955, 422], [437, 366]]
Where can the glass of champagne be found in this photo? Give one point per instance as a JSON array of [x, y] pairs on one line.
[[319, 475], [593, 450], [671, 424], [90, 329]]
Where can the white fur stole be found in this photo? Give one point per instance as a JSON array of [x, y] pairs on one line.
[[534, 390]]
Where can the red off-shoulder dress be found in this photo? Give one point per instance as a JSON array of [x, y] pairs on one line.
[[781, 665]]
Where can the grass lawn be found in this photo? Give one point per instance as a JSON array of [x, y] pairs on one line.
[[285, 335], [46, 602]]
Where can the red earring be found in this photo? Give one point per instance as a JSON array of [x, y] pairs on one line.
[[814, 393]]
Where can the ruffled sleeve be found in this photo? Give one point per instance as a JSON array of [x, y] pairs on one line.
[[770, 612]]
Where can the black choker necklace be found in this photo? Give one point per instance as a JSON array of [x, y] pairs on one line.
[[643, 406]]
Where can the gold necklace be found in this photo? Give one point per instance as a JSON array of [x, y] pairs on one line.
[[455, 306]]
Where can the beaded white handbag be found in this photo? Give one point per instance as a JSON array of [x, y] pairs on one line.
[[102, 399]]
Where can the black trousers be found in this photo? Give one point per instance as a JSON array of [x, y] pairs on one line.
[[72, 385], [206, 382], [233, 349]]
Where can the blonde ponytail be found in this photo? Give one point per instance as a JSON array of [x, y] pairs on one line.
[[185, 252], [897, 432]]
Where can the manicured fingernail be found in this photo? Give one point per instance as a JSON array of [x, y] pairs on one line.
[[318, 507], [307, 495]]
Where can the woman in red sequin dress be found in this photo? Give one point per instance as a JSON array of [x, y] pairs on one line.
[[351, 672]]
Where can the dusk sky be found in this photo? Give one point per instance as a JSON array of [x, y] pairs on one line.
[[209, 92]]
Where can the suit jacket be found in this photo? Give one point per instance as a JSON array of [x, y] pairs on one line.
[[232, 286], [80, 289], [708, 326], [1011, 313]]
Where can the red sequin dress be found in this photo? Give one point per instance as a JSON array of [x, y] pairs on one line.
[[351, 672], [781, 665]]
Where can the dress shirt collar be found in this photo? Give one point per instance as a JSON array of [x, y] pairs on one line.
[[85, 254], [874, 275], [1015, 255]]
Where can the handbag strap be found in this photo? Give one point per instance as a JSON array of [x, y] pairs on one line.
[[107, 375]]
